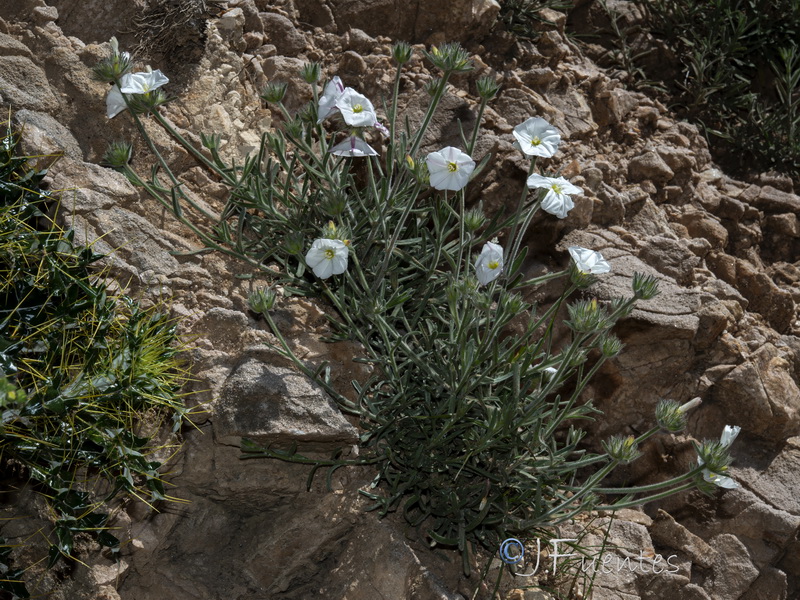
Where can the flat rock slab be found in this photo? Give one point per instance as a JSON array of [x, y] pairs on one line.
[[270, 404]]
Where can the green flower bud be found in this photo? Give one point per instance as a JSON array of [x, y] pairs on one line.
[[433, 86], [117, 155], [310, 72], [611, 345], [511, 302], [621, 304], [212, 141], [645, 287], [262, 300], [487, 87], [622, 448], [402, 52], [294, 128], [274, 92], [669, 416], [450, 58], [474, 219], [714, 456], [334, 205], [586, 316], [113, 67]]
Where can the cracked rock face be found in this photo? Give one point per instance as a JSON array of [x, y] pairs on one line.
[[724, 328]]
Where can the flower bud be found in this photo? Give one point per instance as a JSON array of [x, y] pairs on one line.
[[334, 204], [585, 316], [145, 103], [611, 345], [715, 456], [644, 287], [117, 155], [274, 92], [294, 128], [432, 87], [511, 302], [622, 448], [474, 219], [113, 67], [670, 417], [450, 58], [310, 72], [212, 141], [487, 87], [262, 300], [401, 52]]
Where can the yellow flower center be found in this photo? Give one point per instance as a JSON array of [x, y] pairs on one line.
[[556, 188], [493, 264], [357, 108], [535, 141], [452, 167], [330, 253]]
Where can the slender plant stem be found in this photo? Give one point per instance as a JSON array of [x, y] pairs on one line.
[[518, 213], [428, 115]]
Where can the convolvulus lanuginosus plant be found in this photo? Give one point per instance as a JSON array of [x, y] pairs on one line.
[[466, 419]]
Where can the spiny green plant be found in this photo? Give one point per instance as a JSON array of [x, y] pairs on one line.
[[521, 17], [87, 378], [739, 74], [471, 416]]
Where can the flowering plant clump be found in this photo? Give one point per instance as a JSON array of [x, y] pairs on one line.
[[472, 424]]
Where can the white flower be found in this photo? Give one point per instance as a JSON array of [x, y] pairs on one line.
[[142, 83], [353, 146], [729, 434], [557, 201], [490, 263], [356, 109], [327, 257], [132, 83], [589, 261], [449, 168], [115, 103], [536, 137], [327, 102], [726, 439]]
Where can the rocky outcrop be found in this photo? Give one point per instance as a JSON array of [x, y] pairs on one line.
[[724, 328]]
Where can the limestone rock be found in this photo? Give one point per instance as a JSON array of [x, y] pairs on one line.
[[271, 404], [763, 389], [649, 166], [282, 33], [668, 532], [24, 84], [669, 257], [733, 573]]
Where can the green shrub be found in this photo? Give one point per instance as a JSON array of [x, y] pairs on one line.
[[472, 413], [86, 378], [739, 78]]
